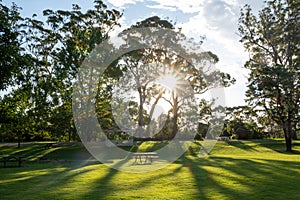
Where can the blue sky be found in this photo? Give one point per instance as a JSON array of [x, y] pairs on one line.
[[216, 19]]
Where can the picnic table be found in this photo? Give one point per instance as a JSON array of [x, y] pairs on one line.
[[144, 157], [50, 145], [223, 138], [12, 159]]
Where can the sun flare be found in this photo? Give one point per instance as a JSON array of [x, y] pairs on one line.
[[169, 81]]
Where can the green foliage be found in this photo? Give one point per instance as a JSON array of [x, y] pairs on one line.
[[61, 124], [55, 49], [15, 123], [160, 60], [272, 39], [154, 21], [41, 60], [201, 131], [12, 59], [166, 133], [242, 130]]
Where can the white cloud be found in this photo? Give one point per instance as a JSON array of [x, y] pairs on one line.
[[186, 6], [164, 7], [233, 2], [218, 21], [220, 32], [122, 3]]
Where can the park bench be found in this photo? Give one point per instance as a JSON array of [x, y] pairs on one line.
[[144, 158], [12, 159]]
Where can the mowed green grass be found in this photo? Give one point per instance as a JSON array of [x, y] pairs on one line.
[[234, 170]]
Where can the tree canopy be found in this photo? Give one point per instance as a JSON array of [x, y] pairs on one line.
[[42, 60], [12, 60], [53, 50], [272, 39]]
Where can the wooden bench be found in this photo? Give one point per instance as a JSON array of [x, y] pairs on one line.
[[12, 159], [144, 158]]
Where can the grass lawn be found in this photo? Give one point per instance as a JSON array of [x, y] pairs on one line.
[[234, 170]]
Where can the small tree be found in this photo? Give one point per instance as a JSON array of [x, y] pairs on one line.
[[15, 122]]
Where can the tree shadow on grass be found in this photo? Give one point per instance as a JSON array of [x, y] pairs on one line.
[[26, 151], [40, 180], [105, 187], [241, 145], [55, 180], [230, 178], [136, 185], [213, 177], [272, 145], [35, 152], [101, 188], [293, 152], [279, 146]]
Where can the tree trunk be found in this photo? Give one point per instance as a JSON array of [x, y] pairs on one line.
[[140, 114], [175, 126], [19, 139], [175, 118], [288, 137], [294, 132], [152, 111], [141, 108], [288, 143]]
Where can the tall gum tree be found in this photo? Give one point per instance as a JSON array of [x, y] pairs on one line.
[[55, 49], [146, 66], [273, 41], [12, 56]]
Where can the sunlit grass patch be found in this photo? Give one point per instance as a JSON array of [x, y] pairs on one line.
[[234, 170]]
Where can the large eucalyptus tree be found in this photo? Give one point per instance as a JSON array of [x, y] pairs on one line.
[[273, 41]]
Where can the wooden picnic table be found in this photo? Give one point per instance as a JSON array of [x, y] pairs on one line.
[[10, 159], [144, 157], [223, 138], [50, 145]]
